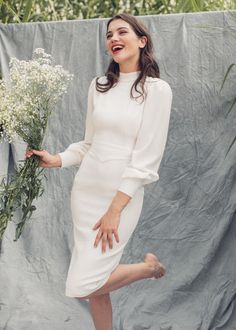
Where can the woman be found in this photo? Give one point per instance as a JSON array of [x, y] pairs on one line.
[[126, 130]]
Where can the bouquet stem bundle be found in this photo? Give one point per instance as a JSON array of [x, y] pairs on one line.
[[20, 193], [26, 103]]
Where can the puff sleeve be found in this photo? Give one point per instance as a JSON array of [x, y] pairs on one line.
[[151, 140], [74, 154]]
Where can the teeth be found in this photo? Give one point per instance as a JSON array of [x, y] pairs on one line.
[[116, 48]]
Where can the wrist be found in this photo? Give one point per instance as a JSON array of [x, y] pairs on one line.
[[115, 208], [56, 161], [119, 202]]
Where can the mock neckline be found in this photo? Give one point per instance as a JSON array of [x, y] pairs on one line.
[[128, 76]]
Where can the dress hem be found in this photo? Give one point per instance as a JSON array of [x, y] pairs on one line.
[[99, 286]]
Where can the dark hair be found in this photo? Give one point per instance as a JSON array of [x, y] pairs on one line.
[[147, 64]]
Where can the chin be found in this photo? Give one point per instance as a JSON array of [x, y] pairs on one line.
[[119, 60]]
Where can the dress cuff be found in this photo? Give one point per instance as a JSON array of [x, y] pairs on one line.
[[69, 158], [130, 186]]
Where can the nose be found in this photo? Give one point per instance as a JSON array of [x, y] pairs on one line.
[[114, 38]]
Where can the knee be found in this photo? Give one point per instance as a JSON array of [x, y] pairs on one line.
[[90, 296], [100, 298], [94, 297]]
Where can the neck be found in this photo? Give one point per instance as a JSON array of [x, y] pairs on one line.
[[128, 76], [127, 67]]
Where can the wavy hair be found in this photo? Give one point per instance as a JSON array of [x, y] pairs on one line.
[[147, 64]]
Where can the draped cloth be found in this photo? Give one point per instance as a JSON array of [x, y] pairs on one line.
[[188, 216]]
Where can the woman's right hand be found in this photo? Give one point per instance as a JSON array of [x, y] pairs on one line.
[[46, 159]]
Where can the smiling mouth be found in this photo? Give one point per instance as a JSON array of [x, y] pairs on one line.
[[117, 49]]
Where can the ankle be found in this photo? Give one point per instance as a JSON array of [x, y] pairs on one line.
[[148, 270]]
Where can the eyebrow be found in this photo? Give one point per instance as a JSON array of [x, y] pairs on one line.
[[122, 27]]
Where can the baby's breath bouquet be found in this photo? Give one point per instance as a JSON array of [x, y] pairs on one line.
[[27, 99]]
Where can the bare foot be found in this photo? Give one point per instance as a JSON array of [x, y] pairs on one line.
[[157, 269]]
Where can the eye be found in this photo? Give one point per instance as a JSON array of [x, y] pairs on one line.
[[122, 32]]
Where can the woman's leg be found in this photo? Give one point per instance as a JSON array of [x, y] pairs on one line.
[[100, 303], [126, 274], [101, 310]]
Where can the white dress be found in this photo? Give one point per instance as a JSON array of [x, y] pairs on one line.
[[122, 150]]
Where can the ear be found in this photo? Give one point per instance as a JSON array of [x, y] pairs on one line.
[[142, 42]]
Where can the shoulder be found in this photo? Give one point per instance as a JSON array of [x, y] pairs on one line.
[[157, 89], [93, 82], [92, 86], [158, 84], [102, 80]]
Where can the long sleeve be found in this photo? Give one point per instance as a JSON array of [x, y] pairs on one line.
[[151, 140], [74, 154]]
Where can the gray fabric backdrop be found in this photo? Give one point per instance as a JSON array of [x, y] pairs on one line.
[[188, 217]]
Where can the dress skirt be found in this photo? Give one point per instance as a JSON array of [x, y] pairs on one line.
[[95, 185]]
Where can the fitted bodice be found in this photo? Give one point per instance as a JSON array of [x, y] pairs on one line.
[[116, 117], [120, 127]]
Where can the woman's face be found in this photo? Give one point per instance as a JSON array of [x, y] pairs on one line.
[[123, 44]]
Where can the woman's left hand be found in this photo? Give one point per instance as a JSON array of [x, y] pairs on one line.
[[108, 226]]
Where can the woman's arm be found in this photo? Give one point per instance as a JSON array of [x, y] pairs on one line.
[[151, 140], [149, 147], [74, 154], [119, 201], [46, 159], [109, 222]]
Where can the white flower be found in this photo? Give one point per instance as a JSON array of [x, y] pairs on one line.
[[33, 90]]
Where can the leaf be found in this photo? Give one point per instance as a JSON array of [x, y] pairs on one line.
[[12, 11], [19, 229], [28, 9]]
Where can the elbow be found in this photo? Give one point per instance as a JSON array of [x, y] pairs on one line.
[[141, 174], [133, 179]]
